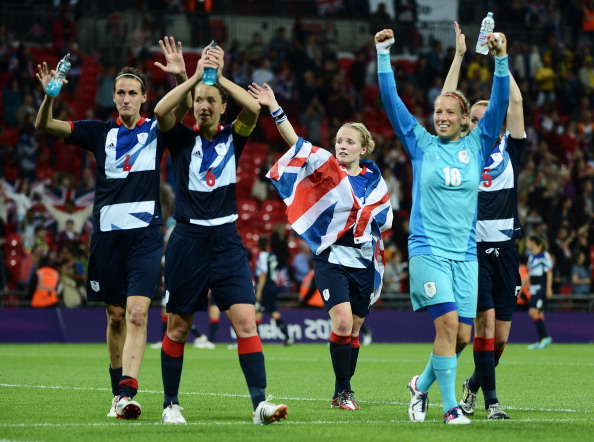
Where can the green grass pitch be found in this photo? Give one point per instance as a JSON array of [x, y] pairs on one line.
[[60, 392]]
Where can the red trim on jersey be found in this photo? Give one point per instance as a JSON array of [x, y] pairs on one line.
[[483, 344], [171, 348], [253, 344], [138, 123], [164, 318], [132, 383], [197, 129], [341, 340], [71, 126], [355, 342]]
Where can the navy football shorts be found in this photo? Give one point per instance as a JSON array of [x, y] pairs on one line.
[[199, 258], [337, 284], [124, 263], [499, 278]]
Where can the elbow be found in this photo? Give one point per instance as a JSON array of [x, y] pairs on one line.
[[516, 101]]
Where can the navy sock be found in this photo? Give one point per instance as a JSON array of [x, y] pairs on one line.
[[172, 361], [541, 328], [340, 354], [484, 362], [355, 346], [115, 375], [213, 329], [194, 330], [128, 387], [282, 326], [251, 360]]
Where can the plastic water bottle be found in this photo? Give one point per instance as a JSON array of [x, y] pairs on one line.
[[210, 74], [487, 27], [54, 86]]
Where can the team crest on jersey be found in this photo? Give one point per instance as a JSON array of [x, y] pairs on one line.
[[430, 289], [221, 149], [142, 137], [463, 156], [326, 294], [95, 286]]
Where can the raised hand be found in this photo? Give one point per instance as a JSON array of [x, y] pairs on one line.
[[45, 75], [264, 95], [460, 40], [497, 44], [173, 57], [384, 35]]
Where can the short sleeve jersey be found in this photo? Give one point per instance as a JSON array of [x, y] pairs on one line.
[[267, 265], [498, 218], [128, 171], [205, 174], [539, 265]]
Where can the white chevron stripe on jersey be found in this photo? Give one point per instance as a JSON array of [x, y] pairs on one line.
[[496, 229], [207, 181], [127, 215]]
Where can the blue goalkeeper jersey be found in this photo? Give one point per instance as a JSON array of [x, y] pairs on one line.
[[446, 174]]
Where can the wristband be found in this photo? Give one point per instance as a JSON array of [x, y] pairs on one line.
[[384, 46], [279, 116]]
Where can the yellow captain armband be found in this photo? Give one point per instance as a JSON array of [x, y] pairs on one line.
[[242, 129]]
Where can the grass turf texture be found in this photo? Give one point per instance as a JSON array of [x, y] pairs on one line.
[[61, 392]]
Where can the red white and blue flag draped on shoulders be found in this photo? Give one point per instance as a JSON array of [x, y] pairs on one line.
[[321, 204]]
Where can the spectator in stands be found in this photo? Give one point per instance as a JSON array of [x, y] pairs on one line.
[[301, 264], [104, 97], [407, 15], [21, 197], [330, 39], [43, 286], [205, 251], [395, 273], [126, 216], [68, 215], [73, 277], [27, 149], [580, 274], [281, 44], [26, 108], [263, 72], [64, 31], [12, 97], [140, 43]]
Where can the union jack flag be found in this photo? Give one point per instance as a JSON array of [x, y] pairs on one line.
[[328, 7], [321, 204]]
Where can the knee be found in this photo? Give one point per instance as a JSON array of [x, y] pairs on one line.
[[116, 318], [500, 345], [178, 331], [138, 316], [344, 326]]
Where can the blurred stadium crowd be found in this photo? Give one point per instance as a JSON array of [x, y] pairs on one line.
[[47, 185]]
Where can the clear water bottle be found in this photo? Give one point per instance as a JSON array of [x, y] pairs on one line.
[[487, 27], [210, 74], [54, 86]]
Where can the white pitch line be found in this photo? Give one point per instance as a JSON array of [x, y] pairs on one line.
[[288, 422], [283, 398]]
